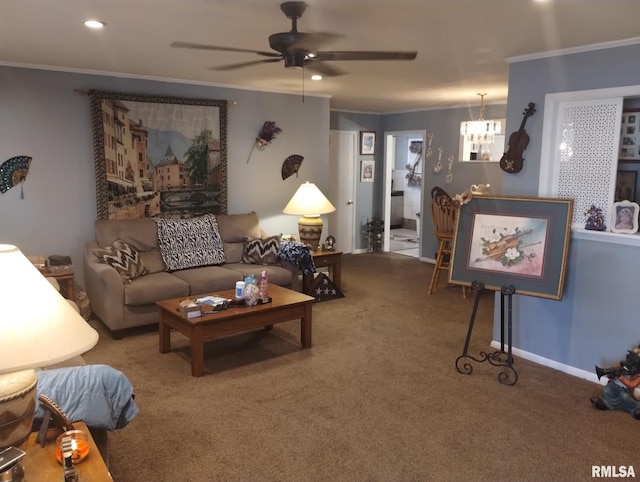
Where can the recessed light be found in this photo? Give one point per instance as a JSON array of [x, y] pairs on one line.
[[316, 77], [94, 24]]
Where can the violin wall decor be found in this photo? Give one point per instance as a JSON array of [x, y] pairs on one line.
[[512, 160]]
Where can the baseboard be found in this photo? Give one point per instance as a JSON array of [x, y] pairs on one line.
[[540, 360]]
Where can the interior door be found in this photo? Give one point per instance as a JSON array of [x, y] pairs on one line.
[[342, 162]]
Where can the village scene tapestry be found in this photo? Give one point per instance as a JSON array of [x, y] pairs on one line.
[[159, 156]]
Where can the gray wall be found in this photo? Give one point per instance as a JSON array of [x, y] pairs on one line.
[[597, 320], [42, 117], [445, 126]]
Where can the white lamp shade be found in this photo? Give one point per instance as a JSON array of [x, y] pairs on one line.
[[308, 200], [38, 327]]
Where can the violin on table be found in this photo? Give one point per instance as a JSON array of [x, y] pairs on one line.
[[512, 160]]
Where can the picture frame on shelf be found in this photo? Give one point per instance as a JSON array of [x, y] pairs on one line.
[[630, 136], [367, 170], [176, 160], [624, 217], [513, 241], [626, 182], [367, 143]]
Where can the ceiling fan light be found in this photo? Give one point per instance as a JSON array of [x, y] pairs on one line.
[[293, 60], [316, 77]]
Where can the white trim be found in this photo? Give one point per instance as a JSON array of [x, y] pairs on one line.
[[606, 237], [157, 79], [574, 50], [576, 372]]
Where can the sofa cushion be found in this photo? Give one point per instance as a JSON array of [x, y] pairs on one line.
[[141, 233], [276, 275], [148, 289], [191, 242], [208, 279], [234, 230], [124, 258], [261, 251]]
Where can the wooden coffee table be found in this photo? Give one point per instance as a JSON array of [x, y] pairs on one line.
[[286, 305]]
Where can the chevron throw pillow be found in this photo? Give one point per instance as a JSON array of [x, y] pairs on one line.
[[261, 250], [124, 258]]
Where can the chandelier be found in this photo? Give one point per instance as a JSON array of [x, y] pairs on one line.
[[480, 131]]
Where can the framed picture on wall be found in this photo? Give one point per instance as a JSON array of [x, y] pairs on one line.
[[626, 186], [367, 171], [367, 143], [630, 135]]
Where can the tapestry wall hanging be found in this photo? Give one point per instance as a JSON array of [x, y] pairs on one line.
[[158, 155]]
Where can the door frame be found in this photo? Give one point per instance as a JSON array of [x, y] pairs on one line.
[[389, 161]]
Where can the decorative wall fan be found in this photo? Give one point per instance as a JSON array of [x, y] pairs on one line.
[[299, 49], [13, 172]]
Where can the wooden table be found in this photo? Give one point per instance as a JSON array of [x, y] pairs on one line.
[[40, 463], [286, 305], [329, 259], [67, 284]]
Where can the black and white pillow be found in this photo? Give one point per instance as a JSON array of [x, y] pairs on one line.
[[261, 250], [124, 258], [190, 242]]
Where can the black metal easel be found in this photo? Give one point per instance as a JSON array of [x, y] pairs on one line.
[[508, 375]]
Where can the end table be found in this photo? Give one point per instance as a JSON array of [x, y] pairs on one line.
[[41, 464], [329, 259]]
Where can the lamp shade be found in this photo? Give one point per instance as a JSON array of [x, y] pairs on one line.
[[310, 203], [308, 200], [38, 327]]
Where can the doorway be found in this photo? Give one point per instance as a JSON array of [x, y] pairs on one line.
[[404, 171]]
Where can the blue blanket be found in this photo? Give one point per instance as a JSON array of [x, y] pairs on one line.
[[98, 395], [297, 254]]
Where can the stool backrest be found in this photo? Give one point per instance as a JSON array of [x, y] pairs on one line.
[[444, 212]]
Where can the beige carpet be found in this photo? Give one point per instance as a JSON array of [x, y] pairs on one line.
[[377, 398]]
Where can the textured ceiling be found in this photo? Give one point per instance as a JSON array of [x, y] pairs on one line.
[[462, 45]]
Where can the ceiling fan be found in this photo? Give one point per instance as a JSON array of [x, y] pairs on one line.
[[299, 49]]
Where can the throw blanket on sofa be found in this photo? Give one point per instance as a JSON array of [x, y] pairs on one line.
[[298, 254], [98, 395]]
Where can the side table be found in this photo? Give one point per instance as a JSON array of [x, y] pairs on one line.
[[40, 463], [329, 259], [67, 284]]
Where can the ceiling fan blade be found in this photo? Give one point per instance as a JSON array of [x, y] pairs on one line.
[[310, 42], [325, 69], [224, 68], [188, 45], [366, 55]]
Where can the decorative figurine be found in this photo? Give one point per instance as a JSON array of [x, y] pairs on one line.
[[622, 392], [595, 219]]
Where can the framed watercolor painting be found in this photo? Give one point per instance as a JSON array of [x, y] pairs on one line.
[[158, 155], [509, 241]]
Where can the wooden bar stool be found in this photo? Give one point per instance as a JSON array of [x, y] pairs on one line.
[[444, 212]]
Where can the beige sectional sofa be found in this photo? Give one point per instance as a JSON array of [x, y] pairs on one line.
[[121, 304]]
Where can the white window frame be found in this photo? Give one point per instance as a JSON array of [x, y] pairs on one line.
[[547, 185]]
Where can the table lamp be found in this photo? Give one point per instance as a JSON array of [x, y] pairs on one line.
[[310, 203], [38, 327]]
